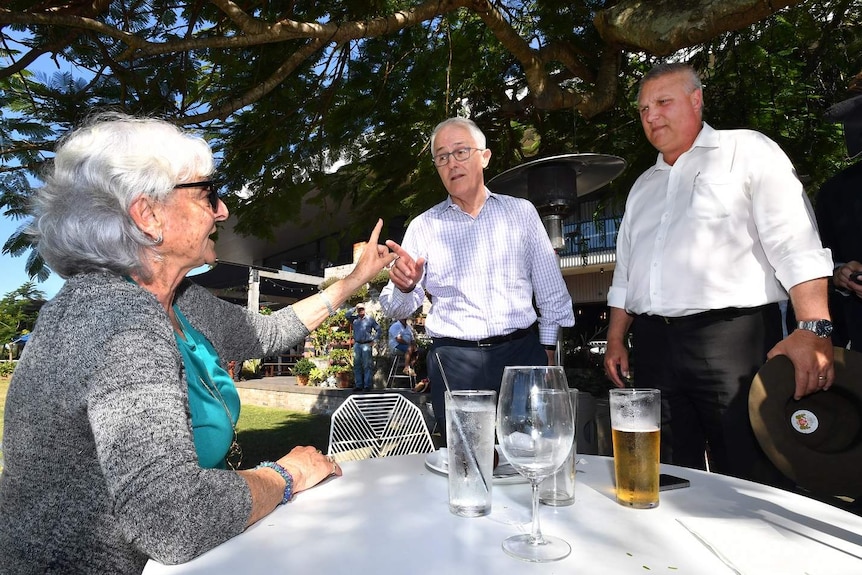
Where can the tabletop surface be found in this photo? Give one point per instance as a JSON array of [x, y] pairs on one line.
[[391, 515]]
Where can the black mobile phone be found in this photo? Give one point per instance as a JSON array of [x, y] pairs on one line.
[[666, 482]]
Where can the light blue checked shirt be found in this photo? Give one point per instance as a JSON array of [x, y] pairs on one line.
[[481, 274]]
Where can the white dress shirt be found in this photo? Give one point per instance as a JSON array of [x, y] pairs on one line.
[[728, 225], [482, 273]]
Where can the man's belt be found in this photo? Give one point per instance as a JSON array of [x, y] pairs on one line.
[[366, 341], [706, 316], [487, 342]]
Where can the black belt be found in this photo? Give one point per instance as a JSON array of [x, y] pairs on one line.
[[366, 341], [497, 339], [706, 316]]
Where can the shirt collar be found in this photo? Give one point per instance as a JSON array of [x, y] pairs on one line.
[[449, 204], [706, 138]]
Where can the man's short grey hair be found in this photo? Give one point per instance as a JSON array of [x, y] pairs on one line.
[[81, 219], [666, 68], [466, 123]]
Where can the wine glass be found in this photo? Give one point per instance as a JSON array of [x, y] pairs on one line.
[[535, 429]]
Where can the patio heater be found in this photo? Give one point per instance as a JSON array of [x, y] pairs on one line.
[[555, 185]]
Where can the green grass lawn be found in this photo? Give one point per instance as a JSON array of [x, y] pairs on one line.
[[264, 433]]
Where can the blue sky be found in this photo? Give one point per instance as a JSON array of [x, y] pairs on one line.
[[12, 274]]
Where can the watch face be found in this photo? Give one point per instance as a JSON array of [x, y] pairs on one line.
[[823, 328]]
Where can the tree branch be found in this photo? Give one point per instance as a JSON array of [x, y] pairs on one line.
[[646, 24], [265, 87]]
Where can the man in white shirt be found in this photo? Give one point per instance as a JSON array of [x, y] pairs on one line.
[[713, 237], [482, 259]]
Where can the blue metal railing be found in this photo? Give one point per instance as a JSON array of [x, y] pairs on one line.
[[590, 240]]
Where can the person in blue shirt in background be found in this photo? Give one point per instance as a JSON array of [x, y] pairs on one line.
[[402, 341], [366, 331]]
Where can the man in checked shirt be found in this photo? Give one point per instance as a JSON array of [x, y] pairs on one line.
[[482, 259]]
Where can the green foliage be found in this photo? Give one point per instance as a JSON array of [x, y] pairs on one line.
[[18, 311], [303, 367], [335, 330], [336, 369], [317, 375], [359, 296], [774, 77], [379, 281], [341, 357], [369, 104], [6, 368]]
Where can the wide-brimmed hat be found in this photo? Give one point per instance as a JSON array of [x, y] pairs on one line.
[[816, 441]]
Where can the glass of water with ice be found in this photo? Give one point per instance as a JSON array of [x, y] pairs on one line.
[[470, 418]]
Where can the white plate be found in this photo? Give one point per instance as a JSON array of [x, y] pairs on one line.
[[437, 461]]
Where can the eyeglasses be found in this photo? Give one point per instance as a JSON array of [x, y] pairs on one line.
[[461, 154], [212, 190]]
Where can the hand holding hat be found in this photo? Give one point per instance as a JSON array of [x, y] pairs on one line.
[[815, 441]]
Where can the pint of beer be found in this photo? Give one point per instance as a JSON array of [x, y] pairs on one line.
[[636, 424]]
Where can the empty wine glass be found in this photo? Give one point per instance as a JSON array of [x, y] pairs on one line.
[[535, 429]]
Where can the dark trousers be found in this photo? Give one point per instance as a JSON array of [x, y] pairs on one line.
[[704, 366], [477, 368]]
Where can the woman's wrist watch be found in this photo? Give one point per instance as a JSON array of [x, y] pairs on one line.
[[822, 328]]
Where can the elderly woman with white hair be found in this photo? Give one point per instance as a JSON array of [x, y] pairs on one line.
[[120, 435]]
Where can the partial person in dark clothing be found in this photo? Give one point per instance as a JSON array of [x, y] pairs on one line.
[[838, 207]]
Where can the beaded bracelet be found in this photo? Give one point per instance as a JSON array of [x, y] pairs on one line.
[[326, 302], [288, 478]]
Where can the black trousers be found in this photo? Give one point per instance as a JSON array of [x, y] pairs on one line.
[[704, 366], [477, 367]]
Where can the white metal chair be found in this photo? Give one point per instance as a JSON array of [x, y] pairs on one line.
[[377, 425]]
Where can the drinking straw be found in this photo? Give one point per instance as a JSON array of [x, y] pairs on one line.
[[471, 454]]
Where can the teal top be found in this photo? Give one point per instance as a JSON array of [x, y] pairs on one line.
[[213, 398]]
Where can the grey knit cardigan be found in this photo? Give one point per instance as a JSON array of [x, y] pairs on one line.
[[100, 470]]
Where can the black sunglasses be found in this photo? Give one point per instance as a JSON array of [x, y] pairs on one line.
[[212, 190]]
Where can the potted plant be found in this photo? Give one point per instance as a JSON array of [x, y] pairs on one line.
[[341, 357], [340, 338], [302, 370], [334, 331], [342, 375], [341, 366], [317, 376]]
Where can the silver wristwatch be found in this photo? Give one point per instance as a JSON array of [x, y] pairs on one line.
[[820, 327]]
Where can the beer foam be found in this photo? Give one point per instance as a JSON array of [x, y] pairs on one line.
[[634, 428]]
